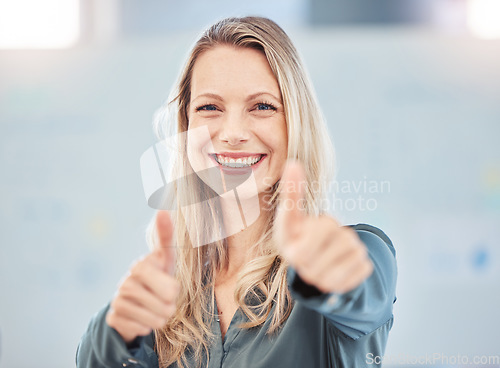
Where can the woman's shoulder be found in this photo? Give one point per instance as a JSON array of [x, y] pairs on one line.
[[370, 229]]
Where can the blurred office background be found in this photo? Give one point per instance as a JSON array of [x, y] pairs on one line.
[[411, 93]]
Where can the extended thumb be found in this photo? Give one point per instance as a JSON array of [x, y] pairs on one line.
[[163, 241]]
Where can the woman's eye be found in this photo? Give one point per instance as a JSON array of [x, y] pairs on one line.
[[206, 108], [265, 107]]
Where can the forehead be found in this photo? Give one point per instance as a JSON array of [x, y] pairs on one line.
[[232, 69]]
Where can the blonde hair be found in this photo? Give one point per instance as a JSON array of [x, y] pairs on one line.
[[187, 335]]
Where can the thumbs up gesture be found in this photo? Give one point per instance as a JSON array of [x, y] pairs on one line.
[[324, 254], [146, 298]]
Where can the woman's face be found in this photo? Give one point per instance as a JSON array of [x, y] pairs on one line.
[[236, 117]]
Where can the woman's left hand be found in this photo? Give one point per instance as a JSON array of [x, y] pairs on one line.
[[330, 257]]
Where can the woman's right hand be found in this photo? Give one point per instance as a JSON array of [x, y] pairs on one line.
[[146, 298]]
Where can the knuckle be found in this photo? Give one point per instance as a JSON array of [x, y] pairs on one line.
[[328, 287], [349, 235], [177, 287], [125, 287], [118, 306], [358, 251], [302, 252], [159, 322], [139, 271], [165, 311], [136, 268], [110, 319], [361, 252], [368, 269], [170, 310], [170, 291], [334, 278], [303, 272], [126, 290], [135, 264], [371, 266], [314, 273], [324, 286], [174, 292]]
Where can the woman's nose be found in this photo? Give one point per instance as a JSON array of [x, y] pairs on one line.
[[234, 130]]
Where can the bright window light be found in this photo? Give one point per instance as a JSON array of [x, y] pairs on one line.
[[39, 24], [483, 18]]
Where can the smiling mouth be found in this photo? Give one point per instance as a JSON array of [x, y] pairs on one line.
[[239, 162]]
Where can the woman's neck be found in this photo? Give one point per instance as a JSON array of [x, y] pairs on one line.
[[245, 222]]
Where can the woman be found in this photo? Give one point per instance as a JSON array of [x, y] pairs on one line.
[[289, 287]]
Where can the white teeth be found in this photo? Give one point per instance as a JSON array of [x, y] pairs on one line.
[[239, 162]]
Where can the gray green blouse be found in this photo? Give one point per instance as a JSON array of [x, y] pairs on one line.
[[323, 330]]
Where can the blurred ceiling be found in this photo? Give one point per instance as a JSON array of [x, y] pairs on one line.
[[370, 11], [108, 20]]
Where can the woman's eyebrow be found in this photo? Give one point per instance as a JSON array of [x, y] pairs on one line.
[[209, 95], [258, 94]]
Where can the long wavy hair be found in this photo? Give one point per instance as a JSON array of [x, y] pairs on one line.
[[187, 335]]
